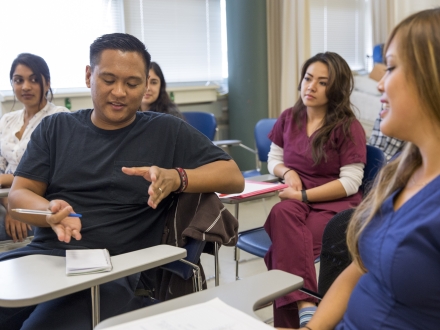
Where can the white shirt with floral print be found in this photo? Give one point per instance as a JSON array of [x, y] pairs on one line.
[[12, 148]]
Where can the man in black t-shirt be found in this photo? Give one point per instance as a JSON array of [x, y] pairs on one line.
[[117, 167]]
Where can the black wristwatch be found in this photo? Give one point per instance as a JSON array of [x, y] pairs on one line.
[[304, 196]]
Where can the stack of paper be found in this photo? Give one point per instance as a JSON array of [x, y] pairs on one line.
[[211, 315], [253, 188], [91, 261]]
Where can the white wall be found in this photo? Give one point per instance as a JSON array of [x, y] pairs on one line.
[[77, 102], [185, 97], [405, 8], [400, 9], [202, 98]]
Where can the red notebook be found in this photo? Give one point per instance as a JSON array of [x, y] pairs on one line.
[[254, 188]]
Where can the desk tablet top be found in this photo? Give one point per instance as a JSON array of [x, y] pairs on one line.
[[246, 295], [4, 192], [37, 278]]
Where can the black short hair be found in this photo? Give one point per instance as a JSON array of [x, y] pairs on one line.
[[118, 41], [39, 68]]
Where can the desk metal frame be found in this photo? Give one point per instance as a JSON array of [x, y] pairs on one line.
[[236, 202]]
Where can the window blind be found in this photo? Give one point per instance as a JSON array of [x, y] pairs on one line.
[[340, 26], [184, 37], [59, 31]]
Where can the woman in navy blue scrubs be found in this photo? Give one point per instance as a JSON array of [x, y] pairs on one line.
[[394, 236]]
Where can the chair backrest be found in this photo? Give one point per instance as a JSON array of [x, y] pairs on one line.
[[334, 256], [194, 249], [375, 161], [378, 53], [262, 129], [203, 121]]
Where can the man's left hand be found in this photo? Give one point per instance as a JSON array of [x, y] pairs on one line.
[[163, 181]]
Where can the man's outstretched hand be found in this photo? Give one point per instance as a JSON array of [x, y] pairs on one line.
[[163, 181]]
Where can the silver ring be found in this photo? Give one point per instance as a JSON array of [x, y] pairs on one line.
[[160, 190]]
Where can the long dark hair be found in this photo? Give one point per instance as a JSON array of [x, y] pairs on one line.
[[39, 68], [163, 102], [339, 109]]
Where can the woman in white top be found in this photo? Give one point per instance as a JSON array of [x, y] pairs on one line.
[[30, 80]]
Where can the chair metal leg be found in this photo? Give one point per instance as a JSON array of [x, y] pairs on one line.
[[238, 262], [216, 265], [236, 258], [194, 281], [95, 305], [197, 278], [236, 252]]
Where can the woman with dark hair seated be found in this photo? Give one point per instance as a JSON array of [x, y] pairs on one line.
[[319, 149], [30, 80], [156, 98]]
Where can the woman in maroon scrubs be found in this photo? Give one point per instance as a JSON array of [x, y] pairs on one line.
[[319, 149]]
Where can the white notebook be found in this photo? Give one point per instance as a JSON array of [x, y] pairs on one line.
[[210, 315], [91, 261]]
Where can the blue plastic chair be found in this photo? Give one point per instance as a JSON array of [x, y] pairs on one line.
[[378, 53], [203, 121], [257, 242], [187, 267], [375, 161], [262, 142]]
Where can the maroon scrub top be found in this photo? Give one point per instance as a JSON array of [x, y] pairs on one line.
[[341, 150]]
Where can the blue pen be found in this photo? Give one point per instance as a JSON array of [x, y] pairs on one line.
[[77, 215]]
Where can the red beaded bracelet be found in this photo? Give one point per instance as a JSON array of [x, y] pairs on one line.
[[183, 180]]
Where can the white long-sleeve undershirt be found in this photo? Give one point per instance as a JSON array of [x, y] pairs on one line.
[[350, 175]]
